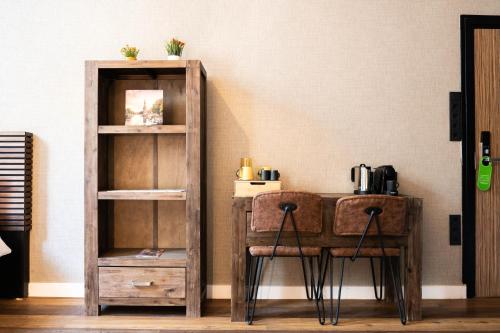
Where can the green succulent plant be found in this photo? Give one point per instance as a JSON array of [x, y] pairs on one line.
[[129, 51]]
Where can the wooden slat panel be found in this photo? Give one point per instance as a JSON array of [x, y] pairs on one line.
[[10, 150], [15, 172], [23, 190], [119, 282], [16, 227], [15, 217], [14, 178], [15, 161], [12, 205], [15, 144], [15, 167], [5, 222], [15, 155], [14, 200], [16, 133], [10, 183], [8, 194], [487, 113], [15, 139], [15, 211]]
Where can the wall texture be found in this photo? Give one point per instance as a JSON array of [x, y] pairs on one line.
[[309, 87]]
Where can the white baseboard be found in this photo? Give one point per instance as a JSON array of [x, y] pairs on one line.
[[37, 289], [348, 292], [265, 292]]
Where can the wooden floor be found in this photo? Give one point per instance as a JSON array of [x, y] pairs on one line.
[[66, 315]]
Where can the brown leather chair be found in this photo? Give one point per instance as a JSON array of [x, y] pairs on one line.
[[285, 212], [369, 216]]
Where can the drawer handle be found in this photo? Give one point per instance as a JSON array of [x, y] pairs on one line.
[[142, 283]]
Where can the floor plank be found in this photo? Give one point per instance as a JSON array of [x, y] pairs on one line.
[[67, 315]]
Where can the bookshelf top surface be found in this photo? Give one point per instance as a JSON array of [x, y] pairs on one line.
[[144, 64]]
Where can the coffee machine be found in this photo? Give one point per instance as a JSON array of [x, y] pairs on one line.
[[381, 180], [385, 180], [361, 176]]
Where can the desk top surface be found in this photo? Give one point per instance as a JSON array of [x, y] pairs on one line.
[[333, 196]]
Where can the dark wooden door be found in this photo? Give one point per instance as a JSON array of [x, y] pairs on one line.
[[487, 118]]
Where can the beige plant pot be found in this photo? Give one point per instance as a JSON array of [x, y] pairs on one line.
[[173, 57], [131, 58]]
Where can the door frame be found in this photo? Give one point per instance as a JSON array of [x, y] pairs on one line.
[[467, 25]]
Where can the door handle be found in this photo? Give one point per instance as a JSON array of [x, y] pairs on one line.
[[142, 283]]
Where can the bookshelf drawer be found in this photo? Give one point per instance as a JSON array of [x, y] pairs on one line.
[[142, 282]]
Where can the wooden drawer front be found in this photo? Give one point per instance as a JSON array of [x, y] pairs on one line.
[[142, 282]]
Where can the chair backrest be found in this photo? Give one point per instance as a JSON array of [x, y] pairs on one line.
[[267, 214], [351, 217]]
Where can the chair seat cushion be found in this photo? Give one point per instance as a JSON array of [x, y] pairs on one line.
[[284, 251], [364, 252]]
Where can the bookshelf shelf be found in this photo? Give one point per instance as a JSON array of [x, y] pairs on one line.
[[160, 194], [128, 257], [157, 129]]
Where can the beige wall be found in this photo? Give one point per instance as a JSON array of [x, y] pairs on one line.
[[309, 87]]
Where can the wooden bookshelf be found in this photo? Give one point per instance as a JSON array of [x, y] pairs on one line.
[[145, 187]]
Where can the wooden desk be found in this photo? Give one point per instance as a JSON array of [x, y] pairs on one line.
[[243, 237]]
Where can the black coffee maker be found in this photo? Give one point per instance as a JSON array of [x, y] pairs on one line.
[[385, 180]]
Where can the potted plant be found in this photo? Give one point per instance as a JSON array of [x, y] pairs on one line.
[[174, 49], [130, 52]]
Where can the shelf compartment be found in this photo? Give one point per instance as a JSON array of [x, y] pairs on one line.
[[112, 101], [127, 258], [157, 129], [142, 195]]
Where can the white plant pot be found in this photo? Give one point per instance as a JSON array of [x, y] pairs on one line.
[[173, 57]]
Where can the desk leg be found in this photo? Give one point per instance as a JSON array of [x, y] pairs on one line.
[[239, 231], [389, 294], [413, 280]]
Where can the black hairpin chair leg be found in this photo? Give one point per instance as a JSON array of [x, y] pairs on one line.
[[309, 283], [253, 287], [308, 278], [315, 293], [337, 311], [378, 295], [398, 289], [318, 290]]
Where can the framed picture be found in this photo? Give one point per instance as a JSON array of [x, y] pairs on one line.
[[143, 107]]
